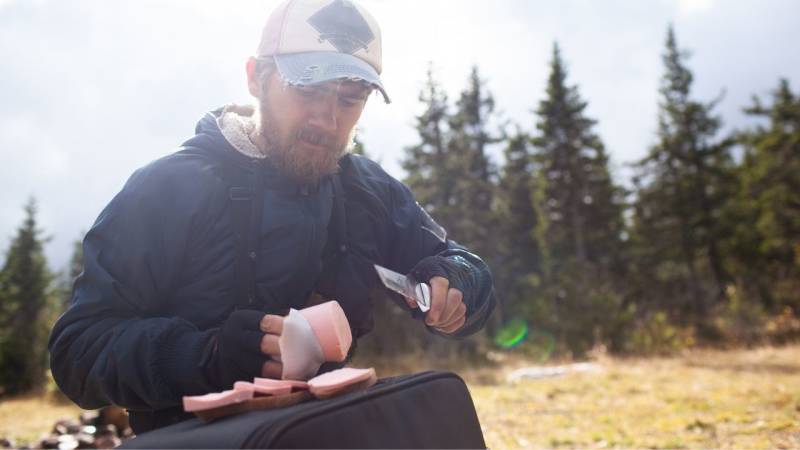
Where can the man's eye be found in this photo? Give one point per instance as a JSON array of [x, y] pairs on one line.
[[306, 92], [349, 102]]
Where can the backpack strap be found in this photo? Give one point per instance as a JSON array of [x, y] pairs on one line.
[[336, 245], [246, 194], [339, 219]]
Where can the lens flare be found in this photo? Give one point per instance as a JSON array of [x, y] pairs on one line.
[[539, 344], [512, 334]]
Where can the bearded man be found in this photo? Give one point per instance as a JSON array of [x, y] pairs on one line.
[[190, 269]]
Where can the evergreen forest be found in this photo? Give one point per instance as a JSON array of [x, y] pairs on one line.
[[701, 248]]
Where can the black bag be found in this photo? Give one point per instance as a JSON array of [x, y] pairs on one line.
[[424, 410]]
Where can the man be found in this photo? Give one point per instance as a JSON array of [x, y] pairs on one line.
[[190, 268]]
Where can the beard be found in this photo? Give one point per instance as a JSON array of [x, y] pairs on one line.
[[285, 150]]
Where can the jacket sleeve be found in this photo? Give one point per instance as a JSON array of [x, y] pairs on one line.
[[415, 235], [115, 344]]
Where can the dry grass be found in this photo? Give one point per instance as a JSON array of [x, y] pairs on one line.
[[25, 419], [703, 399]]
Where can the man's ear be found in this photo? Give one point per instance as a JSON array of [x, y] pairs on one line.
[[253, 80]]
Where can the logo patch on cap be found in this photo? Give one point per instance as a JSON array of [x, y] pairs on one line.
[[343, 26]]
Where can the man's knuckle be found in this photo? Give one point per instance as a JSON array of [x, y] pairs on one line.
[[272, 324], [440, 282], [272, 369], [264, 344]]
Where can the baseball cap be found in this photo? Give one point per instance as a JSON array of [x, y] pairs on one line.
[[314, 41]]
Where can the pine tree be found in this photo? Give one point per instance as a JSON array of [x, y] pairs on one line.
[[579, 222], [25, 294], [67, 278], [581, 205], [520, 259], [472, 219], [767, 211], [449, 171], [452, 177], [76, 260], [429, 171], [382, 342], [682, 185]]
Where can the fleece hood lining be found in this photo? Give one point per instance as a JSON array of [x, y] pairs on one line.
[[238, 124]]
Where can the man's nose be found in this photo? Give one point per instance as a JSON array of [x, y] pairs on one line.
[[324, 113]]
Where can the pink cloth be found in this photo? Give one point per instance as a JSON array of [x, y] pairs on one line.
[[215, 400]]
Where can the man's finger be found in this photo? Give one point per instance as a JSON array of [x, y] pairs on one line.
[[269, 345], [439, 287], [458, 315], [454, 327], [272, 369], [271, 324], [454, 299]]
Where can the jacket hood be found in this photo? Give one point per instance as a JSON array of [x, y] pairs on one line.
[[214, 142], [209, 137]]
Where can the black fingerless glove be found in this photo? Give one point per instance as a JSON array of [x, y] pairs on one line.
[[439, 266], [236, 350], [465, 272]]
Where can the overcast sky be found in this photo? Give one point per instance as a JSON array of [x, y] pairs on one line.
[[90, 90]]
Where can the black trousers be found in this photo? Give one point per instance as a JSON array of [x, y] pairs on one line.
[[143, 421]]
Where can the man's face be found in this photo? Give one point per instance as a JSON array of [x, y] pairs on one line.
[[308, 128]]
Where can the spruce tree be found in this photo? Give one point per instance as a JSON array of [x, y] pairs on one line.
[[452, 178], [766, 244], [382, 342], [67, 278], [449, 170], [579, 222], [25, 294], [473, 176], [682, 186], [429, 171], [519, 263]]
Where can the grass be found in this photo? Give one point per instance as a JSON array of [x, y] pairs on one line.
[[27, 418], [702, 399]]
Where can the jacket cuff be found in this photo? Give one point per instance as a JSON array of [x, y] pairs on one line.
[[181, 361]]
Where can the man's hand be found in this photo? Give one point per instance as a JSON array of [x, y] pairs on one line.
[[448, 311], [247, 347], [272, 326]]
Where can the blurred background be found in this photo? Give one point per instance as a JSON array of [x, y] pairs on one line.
[[630, 170]]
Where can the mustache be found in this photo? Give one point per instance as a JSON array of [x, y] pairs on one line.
[[315, 137]]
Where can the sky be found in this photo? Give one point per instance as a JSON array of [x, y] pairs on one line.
[[93, 89]]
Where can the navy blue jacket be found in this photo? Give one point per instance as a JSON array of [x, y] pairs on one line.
[[158, 276]]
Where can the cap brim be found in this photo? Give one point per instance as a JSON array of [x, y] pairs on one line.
[[319, 67]]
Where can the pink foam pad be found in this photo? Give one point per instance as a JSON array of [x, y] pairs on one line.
[[215, 400], [339, 379], [280, 384], [262, 389], [331, 329]]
